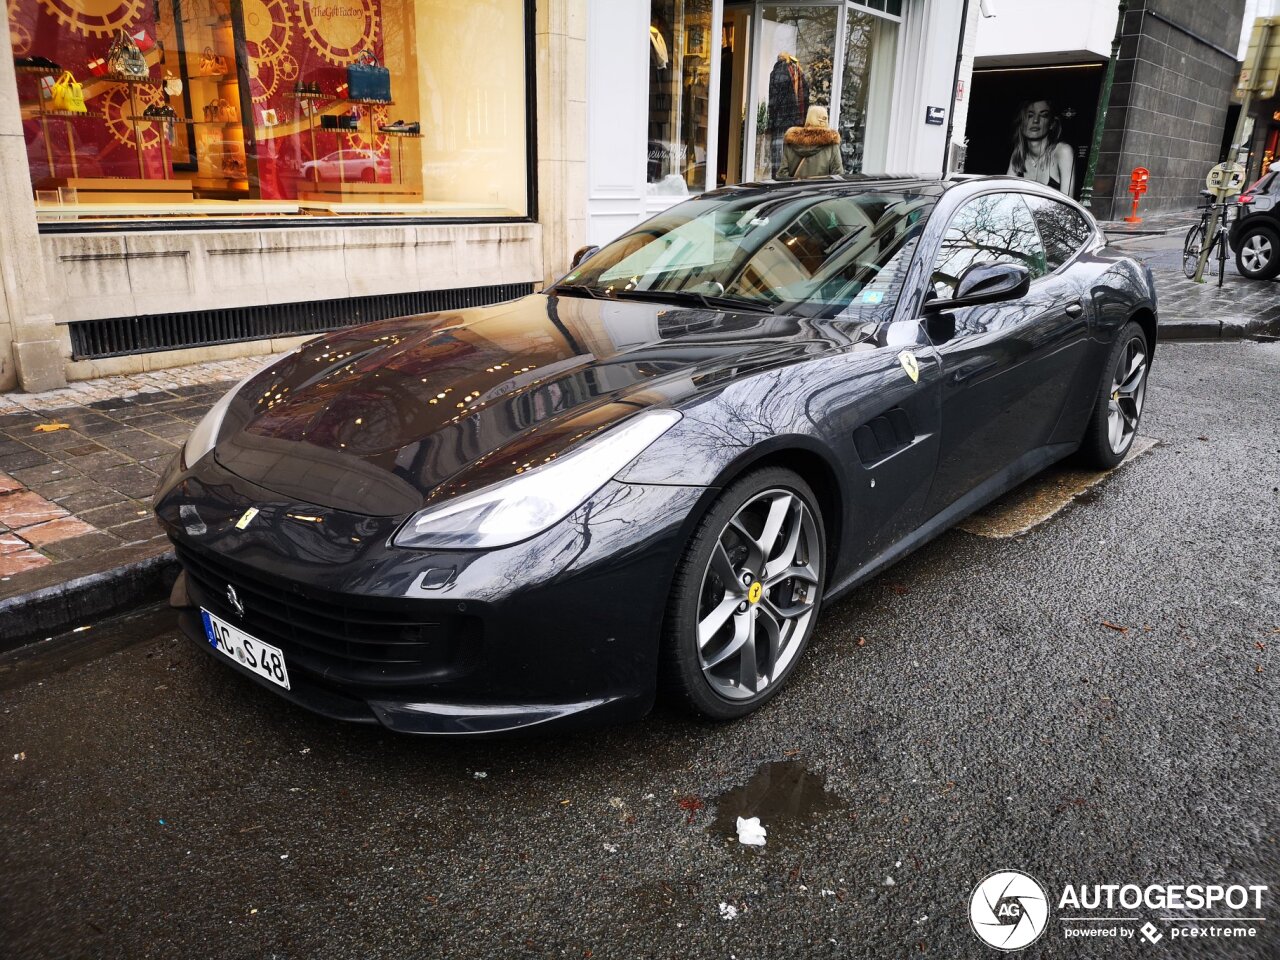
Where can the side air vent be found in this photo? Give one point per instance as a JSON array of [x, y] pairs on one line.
[[883, 436]]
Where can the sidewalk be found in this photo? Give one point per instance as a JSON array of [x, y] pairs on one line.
[[1157, 225], [1190, 310], [78, 468]]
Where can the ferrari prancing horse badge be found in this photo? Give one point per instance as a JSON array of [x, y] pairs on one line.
[[909, 364]]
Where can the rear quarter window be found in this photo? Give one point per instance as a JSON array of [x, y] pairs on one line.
[[1063, 231]]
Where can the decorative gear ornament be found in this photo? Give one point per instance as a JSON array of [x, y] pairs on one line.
[[114, 106], [340, 29], [19, 35], [268, 28], [358, 139], [94, 18]]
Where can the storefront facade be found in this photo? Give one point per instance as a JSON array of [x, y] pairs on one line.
[[200, 178], [689, 95]]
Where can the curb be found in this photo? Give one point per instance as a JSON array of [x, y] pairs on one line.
[[61, 607], [1205, 329]]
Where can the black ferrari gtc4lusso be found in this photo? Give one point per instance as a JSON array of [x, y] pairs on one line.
[[655, 472]]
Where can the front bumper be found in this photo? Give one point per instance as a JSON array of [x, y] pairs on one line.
[[558, 631]]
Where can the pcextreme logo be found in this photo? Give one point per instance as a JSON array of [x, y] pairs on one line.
[[1009, 910]]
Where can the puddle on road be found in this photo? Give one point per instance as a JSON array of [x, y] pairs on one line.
[[1044, 497], [784, 795]]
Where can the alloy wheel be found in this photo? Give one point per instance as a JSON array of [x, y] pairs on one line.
[[1256, 252], [1128, 390], [758, 594]]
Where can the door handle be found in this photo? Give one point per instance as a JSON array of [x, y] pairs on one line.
[[1074, 309], [971, 369]]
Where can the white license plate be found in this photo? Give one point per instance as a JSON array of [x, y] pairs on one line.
[[262, 658]]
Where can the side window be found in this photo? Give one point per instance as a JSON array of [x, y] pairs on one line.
[[1062, 230], [992, 228]]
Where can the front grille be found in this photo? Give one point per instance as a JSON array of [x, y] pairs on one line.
[[365, 641], [147, 333]]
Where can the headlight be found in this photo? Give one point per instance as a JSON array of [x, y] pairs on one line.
[[522, 506]]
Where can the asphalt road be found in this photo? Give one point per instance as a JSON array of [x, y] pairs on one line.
[[966, 712]]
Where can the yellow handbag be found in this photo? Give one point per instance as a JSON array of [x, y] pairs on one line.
[[68, 96]]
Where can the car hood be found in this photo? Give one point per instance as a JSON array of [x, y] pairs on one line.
[[382, 418]]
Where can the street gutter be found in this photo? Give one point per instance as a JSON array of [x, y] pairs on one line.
[[84, 592]]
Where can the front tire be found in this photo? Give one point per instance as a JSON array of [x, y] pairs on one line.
[[1117, 412], [1258, 253], [746, 596]]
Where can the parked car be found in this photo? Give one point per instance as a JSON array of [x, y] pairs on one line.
[[1255, 235], [353, 165], [659, 469]]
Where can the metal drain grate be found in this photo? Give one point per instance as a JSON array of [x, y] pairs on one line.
[[120, 336]]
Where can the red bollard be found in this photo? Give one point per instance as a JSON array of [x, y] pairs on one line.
[[1137, 186]]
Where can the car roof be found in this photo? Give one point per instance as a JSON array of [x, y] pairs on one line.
[[854, 183]]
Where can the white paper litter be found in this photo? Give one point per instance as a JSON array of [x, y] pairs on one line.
[[728, 911], [750, 832]]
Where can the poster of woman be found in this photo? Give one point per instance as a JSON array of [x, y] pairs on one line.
[[1033, 122], [1038, 151]]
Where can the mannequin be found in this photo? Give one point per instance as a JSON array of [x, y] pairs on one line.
[[788, 103], [812, 150]]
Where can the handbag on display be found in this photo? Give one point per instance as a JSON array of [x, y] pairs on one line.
[[234, 168], [367, 79], [220, 111], [124, 59], [67, 96], [172, 85], [212, 64]]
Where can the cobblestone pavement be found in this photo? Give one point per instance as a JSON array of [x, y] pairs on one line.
[[1248, 305], [78, 465]]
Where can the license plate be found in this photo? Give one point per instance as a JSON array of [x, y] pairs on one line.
[[262, 658]]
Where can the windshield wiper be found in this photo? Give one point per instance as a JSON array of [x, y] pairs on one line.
[[577, 289], [710, 301]]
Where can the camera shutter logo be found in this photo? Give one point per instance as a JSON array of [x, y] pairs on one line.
[[1008, 910]]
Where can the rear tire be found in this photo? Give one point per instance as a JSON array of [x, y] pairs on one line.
[[1258, 253], [746, 596], [1117, 411], [1191, 250]]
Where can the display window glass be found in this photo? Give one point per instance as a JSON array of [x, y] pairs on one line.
[[680, 35], [274, 107], [795, 59], [866, 94], [779, 63]]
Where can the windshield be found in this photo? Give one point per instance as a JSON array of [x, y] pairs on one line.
[[830, 254]]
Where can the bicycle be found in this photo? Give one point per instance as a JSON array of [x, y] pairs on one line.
[[1193, 245]]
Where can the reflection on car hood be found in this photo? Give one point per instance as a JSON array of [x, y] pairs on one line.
[[377, 419]]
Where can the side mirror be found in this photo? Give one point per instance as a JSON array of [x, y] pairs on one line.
[[986, 283], [582, 254]]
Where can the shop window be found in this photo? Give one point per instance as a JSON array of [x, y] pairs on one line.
[[679, 96], [229, 107], [866, 91], [795, 62]]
